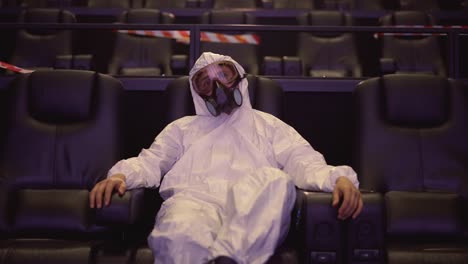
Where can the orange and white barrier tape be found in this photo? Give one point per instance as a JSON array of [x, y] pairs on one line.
[[417, 34], [13, 68], [184, 36]]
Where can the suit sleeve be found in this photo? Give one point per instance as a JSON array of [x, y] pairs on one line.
[[152, 163], [303, 163]]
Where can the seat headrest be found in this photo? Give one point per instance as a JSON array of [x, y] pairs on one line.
[[142, 16], [110, 3], [407, 18], [146, 16], [415, 100], [47, 15], [42, 15], [328, 18], [226, 17], [61, 98]]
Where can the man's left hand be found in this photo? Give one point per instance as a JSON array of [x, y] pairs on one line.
[[352, 201]]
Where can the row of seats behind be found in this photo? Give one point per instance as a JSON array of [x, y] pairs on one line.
[[425, 5], [63, 132], [317, 55]]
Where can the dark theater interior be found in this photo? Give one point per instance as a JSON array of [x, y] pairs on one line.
[[379, 85]]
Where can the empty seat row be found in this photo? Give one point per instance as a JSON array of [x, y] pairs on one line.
[[266, 4], [63, 131], [317, 54]]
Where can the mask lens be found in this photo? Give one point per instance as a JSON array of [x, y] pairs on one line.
[[237, 97], [211, 105], [229, 73], [224, 72]]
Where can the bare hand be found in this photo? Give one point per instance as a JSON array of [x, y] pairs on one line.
[[352, 201], [105, 188]]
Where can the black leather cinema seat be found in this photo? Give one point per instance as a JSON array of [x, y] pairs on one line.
[[157, 4], [145, 55], [226, 4], [411, 150], [49, 46], [111, 3], [325, 4], [63, 133], [37, 3], [411, 54], [420, 5], [327, 55], [293, 4]]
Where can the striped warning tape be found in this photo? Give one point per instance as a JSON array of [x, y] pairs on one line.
[[13, 68], [184, 36]]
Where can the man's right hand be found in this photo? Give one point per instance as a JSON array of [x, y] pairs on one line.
[[105, 188]]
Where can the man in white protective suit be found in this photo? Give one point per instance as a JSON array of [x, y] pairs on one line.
[[229, 175]]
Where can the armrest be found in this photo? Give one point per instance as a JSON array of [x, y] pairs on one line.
[[179, 63], [272, 65], [292, 66], [123, 210], [365, 236], [83, 62], [319, 231], [387, 65], [63, 61]]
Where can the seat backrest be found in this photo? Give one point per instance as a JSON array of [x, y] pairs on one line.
[[421, 5], [245, 54], [157, 4], [369, 4], [411, 132], [325, 18], [47, 44], [112, 3], [414, 17], [226, 17], [222, 4], [142, 55], [411, 145], [37, 3], [265, 95], [294, 4], [328, 54], [329, 57], [349, 5], [412, 54], [334, 4], [63, 133]]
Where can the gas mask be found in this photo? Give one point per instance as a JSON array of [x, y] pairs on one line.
[[218, 85], [223, 99]]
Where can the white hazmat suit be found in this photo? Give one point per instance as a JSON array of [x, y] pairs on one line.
[[229, 181]]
